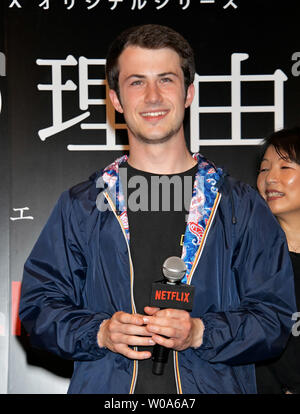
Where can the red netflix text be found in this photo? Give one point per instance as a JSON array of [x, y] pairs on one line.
[[169, 295]]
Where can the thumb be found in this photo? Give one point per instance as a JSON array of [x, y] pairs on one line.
[[151, 311]]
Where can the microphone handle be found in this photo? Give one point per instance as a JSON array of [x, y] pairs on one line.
[[159, 357]]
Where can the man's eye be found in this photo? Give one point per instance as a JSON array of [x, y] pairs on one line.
[[136, 83], [263, 169], [166, 80]]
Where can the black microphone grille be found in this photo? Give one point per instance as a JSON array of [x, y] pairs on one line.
[[174, 269]]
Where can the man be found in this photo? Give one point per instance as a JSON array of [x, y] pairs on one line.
[[85, 292]]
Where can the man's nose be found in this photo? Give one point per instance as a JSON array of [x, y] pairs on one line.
[[153, 93]]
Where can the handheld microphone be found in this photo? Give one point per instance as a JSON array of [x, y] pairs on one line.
[[170, 293]]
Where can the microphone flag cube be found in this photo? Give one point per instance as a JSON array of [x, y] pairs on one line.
[[179, 296]]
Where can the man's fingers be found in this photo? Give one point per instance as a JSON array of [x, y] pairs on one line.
[[128, 318], [166, 342], [128, 329], [172, 313], [132, 340], [123, 332], [151, 311], [131, 353], [164, 331]]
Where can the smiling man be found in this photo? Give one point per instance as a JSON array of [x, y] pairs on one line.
[[87, 282], [152, 95]]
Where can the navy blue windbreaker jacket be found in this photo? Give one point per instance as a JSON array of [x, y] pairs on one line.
[[80, 273]]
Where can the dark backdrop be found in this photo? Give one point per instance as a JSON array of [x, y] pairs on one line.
[[34, 172]]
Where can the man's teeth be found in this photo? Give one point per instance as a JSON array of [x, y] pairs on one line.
[[160, 113]]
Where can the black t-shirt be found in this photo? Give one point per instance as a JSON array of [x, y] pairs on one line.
[[156, 233], [282, 374]]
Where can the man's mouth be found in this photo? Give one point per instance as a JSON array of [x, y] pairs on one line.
[[154, 115]]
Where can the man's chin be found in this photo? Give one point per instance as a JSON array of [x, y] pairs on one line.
[[155, 140]]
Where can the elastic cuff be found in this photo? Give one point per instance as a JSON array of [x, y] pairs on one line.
[[91, 342], [101, 347], [208, 327], [206, 350]]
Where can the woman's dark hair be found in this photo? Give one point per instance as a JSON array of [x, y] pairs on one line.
[[286, 143], [150, 36]]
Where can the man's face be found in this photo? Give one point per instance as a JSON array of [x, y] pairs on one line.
[[152, 94]]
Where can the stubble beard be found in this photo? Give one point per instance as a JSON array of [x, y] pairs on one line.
[[154, 141], [151, 141]]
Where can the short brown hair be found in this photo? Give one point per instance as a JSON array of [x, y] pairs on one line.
[[150, 36]]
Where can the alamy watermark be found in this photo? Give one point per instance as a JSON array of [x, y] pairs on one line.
[[296, 325], [158, 193]]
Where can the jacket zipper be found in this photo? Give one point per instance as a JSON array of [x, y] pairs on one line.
[[133, 308], [196, 261], [198, 255]]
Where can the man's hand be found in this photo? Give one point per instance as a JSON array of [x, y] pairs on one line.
[[122, 331], [174, 328]]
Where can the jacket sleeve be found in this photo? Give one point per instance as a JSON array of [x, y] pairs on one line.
[[51, 308], [259, 327]]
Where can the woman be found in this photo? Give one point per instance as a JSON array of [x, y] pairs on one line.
[[279, 184]]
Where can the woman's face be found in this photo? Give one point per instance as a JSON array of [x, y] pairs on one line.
[[279, 183]]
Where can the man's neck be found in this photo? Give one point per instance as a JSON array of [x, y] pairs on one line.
[[165, 158]]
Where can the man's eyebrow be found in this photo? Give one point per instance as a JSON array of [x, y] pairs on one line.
[[134, 75], [167, 74], [160, 75]]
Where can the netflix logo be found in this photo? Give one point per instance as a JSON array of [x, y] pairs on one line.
[[178, 296], [168, 295]]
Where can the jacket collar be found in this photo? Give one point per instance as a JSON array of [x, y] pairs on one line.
[[202, 207]]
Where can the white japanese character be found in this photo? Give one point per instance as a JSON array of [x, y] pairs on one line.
[[2, 73], [15, 3], [2, 64], [71, 5], [236, 109], [85, 82], [92, 5], [115, 3], [45, 4], [139, 4], [162, 5], [57, 88], [85, 102], [186, 5], [21, 217], [230, 3]]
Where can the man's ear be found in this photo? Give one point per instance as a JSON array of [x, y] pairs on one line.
[[115, 101], [190, 95]]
